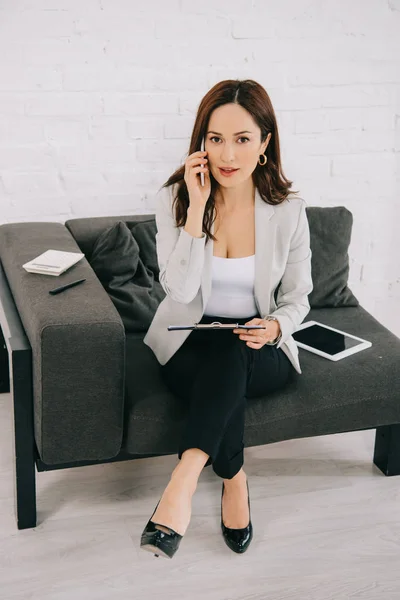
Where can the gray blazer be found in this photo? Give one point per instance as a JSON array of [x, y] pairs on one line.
[[283, 254]]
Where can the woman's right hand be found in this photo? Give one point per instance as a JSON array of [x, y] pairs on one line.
[[198, 195]]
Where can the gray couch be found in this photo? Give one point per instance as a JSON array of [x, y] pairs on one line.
[[86, 391]]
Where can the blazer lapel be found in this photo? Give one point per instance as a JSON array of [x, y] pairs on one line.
[[265, 231]]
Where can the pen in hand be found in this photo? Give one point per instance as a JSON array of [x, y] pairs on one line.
[[66, 286]]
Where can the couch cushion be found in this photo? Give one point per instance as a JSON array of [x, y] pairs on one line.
[[330, 235], [358, 392]]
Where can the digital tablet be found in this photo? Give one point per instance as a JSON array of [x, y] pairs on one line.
[[328, 342]]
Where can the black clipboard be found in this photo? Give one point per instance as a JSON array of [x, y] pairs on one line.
[[214, 325]]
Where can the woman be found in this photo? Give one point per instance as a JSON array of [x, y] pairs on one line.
[[224, 249]]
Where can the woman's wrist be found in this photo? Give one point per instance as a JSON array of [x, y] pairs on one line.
[[279, 335]]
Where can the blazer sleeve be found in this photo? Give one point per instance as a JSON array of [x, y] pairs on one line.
[[296, 283], [180, 255]]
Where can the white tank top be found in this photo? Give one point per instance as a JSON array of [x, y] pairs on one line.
[[232, 287]]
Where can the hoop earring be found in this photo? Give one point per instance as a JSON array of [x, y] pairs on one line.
[[266, 160]]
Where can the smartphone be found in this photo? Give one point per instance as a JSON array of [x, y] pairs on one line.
[[202, 150]]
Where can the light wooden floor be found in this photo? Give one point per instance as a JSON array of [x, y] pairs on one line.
[[326, 527]]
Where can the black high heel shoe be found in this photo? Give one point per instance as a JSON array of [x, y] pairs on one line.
[[160, 542], [237, 540]]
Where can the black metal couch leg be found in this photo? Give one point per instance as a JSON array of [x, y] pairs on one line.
[[387, 449], [25, 494], [24, 442]]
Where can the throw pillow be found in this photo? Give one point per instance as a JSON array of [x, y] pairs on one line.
[[132, 285], [330, 235]]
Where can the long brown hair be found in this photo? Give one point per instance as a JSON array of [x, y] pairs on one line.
[[269, 180]]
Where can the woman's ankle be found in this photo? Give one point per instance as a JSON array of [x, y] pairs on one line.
[[238, 478], [184, 479], [189, 468]]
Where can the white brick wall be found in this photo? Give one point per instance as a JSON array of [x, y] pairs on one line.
[[98, 97]]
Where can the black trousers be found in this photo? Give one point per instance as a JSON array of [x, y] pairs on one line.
[[215, 372]]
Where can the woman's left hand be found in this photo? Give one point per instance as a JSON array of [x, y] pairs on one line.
[[257, 338]]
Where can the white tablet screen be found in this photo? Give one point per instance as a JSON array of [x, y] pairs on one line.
[[324, 339]]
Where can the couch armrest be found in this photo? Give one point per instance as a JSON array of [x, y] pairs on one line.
[[78, 348]]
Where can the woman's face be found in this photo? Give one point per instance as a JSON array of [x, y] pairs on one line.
[[226, 147]]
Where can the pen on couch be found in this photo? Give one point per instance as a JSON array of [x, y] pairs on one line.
[[66, 286]]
